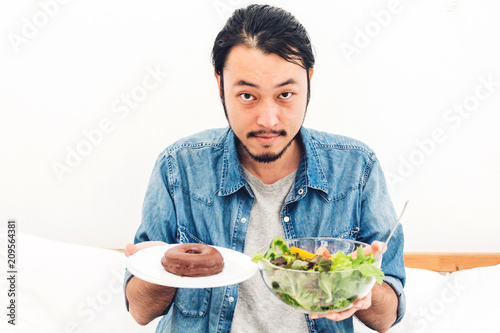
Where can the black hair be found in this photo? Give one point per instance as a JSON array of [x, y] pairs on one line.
[[270, 29]]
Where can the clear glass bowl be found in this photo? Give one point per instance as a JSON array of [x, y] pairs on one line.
[[315, 292]]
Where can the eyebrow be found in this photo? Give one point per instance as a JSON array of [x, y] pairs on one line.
[[245, 83]]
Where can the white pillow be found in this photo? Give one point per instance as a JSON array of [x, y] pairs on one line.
[[64, 288], [464, 301]]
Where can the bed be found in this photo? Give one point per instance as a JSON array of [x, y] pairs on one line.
[[64, 287]]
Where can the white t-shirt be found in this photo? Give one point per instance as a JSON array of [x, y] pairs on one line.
[[257, 309]]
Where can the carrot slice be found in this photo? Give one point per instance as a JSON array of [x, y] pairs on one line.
[[321, 251], [302, 253]]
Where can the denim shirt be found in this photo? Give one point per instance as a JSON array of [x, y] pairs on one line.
[[197, 193]]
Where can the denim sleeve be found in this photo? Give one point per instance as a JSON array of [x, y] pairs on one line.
[[158, 213], [397, 286], [377, 219]]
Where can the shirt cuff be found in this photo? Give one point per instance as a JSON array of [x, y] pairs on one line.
[[127, 278], [397, 286]]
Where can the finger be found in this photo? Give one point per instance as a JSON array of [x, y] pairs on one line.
[[130, 249], [374, 248], [337, 316], [366, 250], [377, 246], [360, 304], [363, 303]]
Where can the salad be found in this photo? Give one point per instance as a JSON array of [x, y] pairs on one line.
[[294, 277]]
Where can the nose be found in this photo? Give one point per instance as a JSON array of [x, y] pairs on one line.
[[268, 114]]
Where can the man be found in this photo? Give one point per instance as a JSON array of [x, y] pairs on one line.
[[264, 176]]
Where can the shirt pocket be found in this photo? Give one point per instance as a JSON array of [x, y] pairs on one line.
[[350, 233], [185, 236], [192, 302]]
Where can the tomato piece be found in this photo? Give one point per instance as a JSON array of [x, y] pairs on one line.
[[321, 251]]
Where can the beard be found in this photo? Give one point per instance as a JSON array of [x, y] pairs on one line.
[[265, 157]]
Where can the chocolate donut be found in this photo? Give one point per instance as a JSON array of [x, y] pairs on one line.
[[193, 259]]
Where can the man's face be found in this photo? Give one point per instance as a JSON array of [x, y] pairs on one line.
[[265, 99]]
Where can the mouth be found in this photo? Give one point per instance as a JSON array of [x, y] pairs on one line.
[[266, 138]]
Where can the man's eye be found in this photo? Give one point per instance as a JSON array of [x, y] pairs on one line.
[[247, 97], [285, 95]]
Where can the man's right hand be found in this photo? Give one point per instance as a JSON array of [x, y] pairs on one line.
[[146, 300]]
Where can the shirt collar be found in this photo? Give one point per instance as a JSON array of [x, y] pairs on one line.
[[232, 178], [309, 173], [310, 169]]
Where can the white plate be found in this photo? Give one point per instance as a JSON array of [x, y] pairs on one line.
[[146, 265]]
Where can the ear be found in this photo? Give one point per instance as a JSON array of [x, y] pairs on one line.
[[219, 81], [311, 71]]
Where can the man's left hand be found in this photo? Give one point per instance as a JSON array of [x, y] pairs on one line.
[[360, 304]]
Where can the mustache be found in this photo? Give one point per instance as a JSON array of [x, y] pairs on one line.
[[264, 132]]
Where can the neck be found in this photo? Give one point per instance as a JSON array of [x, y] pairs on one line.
[[271, 172]]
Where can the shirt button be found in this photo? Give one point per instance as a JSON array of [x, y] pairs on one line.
[[243, 220], [231, 299], [301, 191], [286, 219]]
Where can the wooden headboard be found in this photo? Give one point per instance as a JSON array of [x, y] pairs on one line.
[[450, 262]]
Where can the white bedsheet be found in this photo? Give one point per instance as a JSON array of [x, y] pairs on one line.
[[464, 301], [63, 288], [66, 288]]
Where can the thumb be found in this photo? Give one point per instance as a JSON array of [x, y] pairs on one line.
[[130, 249]]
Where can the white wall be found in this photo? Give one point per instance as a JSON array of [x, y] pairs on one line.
[[394, 74]]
